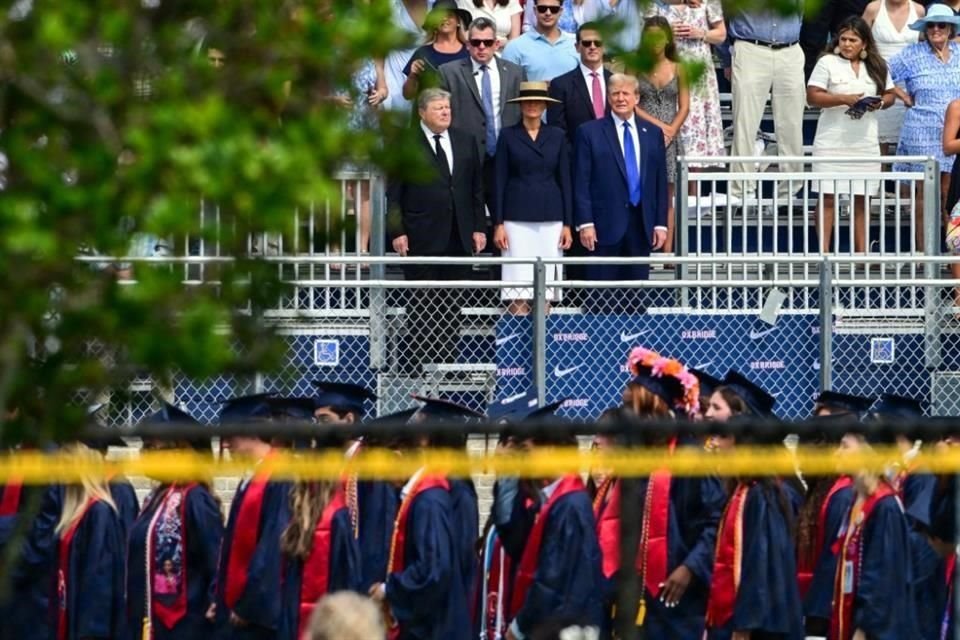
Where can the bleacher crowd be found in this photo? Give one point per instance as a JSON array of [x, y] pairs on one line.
[[519, 81], [862, 556]]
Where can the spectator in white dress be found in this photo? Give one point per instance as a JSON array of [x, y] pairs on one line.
[[890, 22], [507, 15], [850, 83]]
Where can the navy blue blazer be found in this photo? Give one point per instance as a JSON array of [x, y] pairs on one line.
[[532, 179], [600, 192], [575, 106]]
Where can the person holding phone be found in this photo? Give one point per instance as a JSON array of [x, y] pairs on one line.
[[849, 83], [447, 42]]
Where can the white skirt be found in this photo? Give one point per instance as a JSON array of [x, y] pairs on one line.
[[531, 240]]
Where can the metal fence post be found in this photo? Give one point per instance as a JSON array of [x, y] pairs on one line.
[[540, 329], [682, 232], [931, 247], [378, 305], [826, 326]]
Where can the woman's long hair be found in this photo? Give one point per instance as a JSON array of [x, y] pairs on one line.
[[75, 496], [659, 22], [308, 499], [876, 65], [809, 517]]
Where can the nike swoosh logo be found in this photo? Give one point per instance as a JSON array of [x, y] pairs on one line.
[[630, 337], [505, 339], [703, 366], [512, 398], [756, 335], [558, 372], [816, 366]]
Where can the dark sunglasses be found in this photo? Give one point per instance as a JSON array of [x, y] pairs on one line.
[[591, 43], [477, 42], [938, 25], [552, 9]]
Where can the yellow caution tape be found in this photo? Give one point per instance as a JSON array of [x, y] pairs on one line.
[[38, 468]]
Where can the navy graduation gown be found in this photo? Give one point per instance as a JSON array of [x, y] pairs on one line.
[[94, 590], [513, 515], [344, 573], [768, 599], [34, 571], [819, 599], [696, 505], [568, 581], [260, 602], [125, 498], [427, 597], [203, 531], [466, 526], [927, 567], [883, 606], [377, 504]]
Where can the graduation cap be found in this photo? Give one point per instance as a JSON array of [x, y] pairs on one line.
[[546, 410], [95, 435], [397, 417], [708, 383], [437, 410], [247, 408], [295, 409], [667, 388], [759, 401], [837, 402], [891, 407], [173, 417], [514, 408], [342, 395]]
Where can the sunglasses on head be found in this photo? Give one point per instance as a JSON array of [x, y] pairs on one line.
[[591, 43], [938, 25], [545, 8], [477, 42]]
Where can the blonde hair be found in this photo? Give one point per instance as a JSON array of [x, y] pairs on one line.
[[345, 616], [307, 502], [618, 79], [76, 496]]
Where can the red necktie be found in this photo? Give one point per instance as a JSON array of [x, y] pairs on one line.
[[597, 96]]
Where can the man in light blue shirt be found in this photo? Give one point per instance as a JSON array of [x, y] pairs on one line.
[[765, 59], [544, 52]]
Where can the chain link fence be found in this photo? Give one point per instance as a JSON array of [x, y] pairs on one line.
[[473, 338]]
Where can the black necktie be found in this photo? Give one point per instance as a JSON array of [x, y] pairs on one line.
[[441, 154]]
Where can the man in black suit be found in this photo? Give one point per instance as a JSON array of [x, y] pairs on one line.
[[582, 96], [440, 216]]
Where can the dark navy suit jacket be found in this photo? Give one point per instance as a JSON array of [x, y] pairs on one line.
[[575, 106], [532, 182], [600, 191]]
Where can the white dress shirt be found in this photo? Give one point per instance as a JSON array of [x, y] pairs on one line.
[[588, 78], [444, 143], [494, 72]]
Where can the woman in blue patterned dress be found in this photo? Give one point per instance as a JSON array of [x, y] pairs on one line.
[[927, 75]]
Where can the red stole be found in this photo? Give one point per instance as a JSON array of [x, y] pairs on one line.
[[10, 500], [606, 512], [396, 562], [849, 557], [531, 551], [494, 589], [63, 572], [316, 568], [654, 534], [246, 530], [168, 612], [726, 564], [806, 566]]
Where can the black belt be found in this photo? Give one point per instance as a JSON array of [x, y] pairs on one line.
[[768, 45]]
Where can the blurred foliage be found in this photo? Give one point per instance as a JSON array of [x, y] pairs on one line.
[[114, 122]]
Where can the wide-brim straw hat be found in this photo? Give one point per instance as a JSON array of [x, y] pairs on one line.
[[444, 7], [936, 13], [533, 91]]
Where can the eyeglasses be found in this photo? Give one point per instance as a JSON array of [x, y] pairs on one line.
[[545, 8], [938, 25], [591, 43], [477, 42]]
